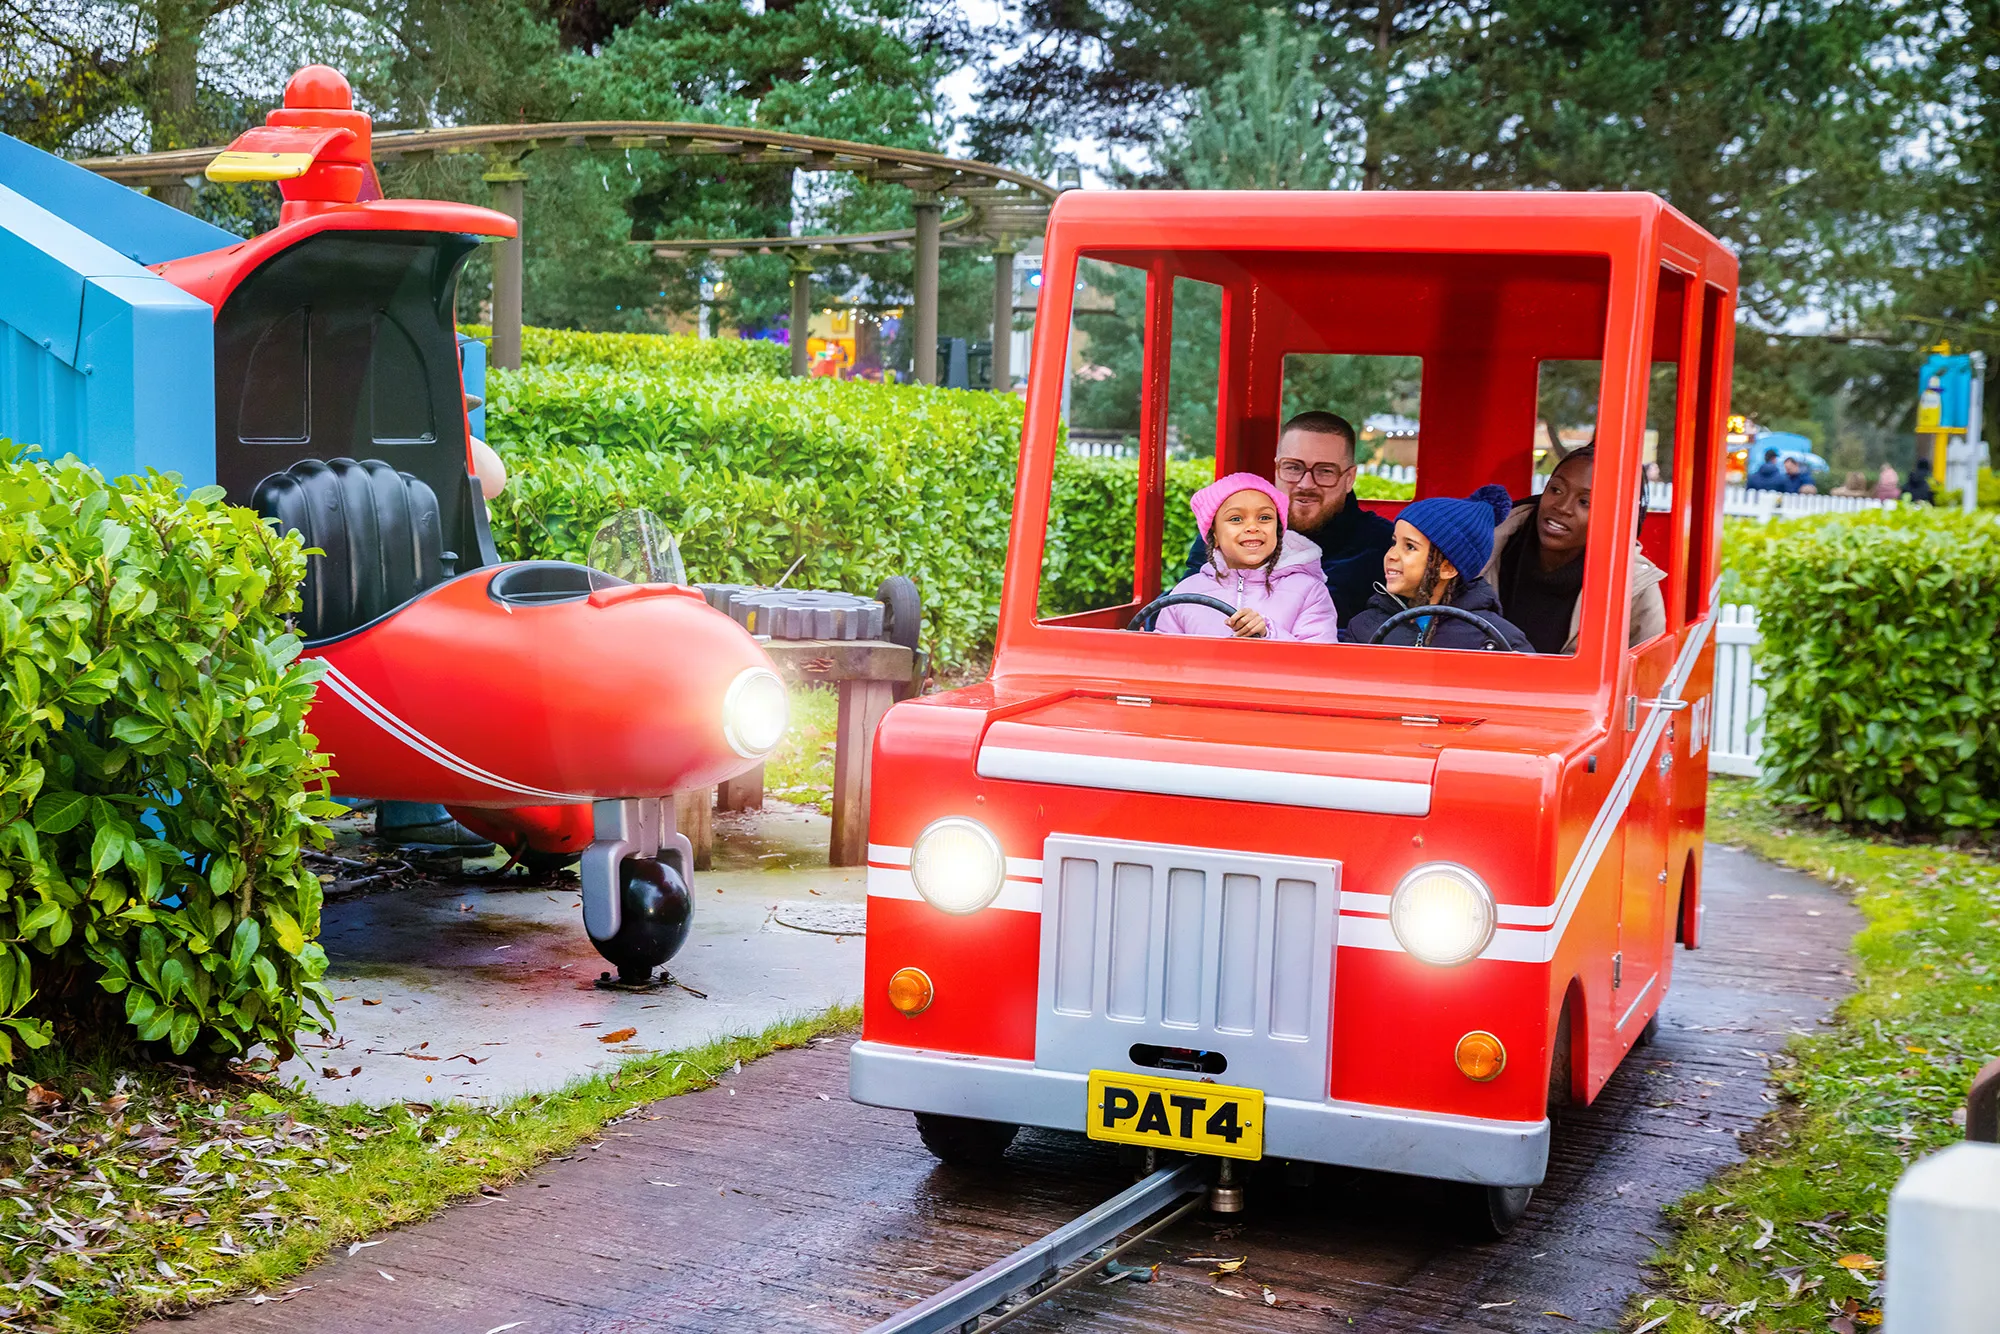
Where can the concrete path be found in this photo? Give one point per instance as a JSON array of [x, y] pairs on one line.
[[777, 1205], [485, 989]]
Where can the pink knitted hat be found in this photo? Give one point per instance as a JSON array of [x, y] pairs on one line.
[[1208, 500]]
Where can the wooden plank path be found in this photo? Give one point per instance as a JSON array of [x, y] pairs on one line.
[[775, 1204]]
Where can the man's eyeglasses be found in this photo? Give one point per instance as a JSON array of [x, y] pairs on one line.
[[1325, 474]]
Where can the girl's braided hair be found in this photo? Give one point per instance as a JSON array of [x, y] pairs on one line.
[[1434, 577]]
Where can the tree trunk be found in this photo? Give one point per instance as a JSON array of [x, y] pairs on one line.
[[172, 115]]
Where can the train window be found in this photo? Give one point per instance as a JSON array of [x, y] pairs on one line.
[[1704, 520], [277, 386], [399, 388], [1193, 377]]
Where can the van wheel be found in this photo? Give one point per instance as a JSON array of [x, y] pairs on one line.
[[963, 1142], [1488, 1213], [1649, 1032]]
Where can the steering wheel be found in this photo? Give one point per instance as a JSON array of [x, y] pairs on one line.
[[1151, 611], [1494, 639]]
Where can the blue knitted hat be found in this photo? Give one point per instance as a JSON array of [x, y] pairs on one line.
[[1461, 529]]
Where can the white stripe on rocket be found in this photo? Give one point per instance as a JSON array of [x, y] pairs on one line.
[[368, 707]]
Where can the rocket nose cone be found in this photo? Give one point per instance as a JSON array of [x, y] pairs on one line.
[[321, 88]]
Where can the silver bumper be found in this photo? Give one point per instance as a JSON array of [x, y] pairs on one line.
[[1425, 1144]]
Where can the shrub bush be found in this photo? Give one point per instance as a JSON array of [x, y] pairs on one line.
[[861, 480], [645, 354], [1881, 654], [157, 785]]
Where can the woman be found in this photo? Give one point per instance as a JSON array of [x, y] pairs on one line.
[[1537, 563]]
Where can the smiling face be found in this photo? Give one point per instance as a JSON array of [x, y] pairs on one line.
[[1246, 529], [1404, 563], [1315, 455], [1562, 518]]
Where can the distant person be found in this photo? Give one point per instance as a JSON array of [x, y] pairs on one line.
[[1315, 469], [1653, 477], [1918, 490], [1770, 474], [1887, 485], [1537, 564], [1857, 484], [1797, 480]]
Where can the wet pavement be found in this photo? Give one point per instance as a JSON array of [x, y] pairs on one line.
[[482, 988], [775, 1204]]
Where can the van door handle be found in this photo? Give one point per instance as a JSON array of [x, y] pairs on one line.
[[1667, 705]]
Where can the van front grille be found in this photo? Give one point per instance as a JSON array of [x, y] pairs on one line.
[[1192, 948]]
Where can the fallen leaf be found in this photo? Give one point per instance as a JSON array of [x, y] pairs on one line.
[[38, 1097], [1494, 1306], [1270, 1297], [1764, 1237], [618, 1035], [386, 1274], [371, 1002], [1858, 1261], [1560, 1316], [1654, 1323], [1231, 1266], [361, 1246], [1239, 1296], [511, 1324]]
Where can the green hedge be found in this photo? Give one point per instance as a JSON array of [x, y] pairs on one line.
[[1881, 653], [862, 480], [645, 354], [156, 781]]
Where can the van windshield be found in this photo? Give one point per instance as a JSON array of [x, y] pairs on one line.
[[1354, 450]]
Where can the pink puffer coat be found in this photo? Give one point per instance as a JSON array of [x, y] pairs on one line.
[[1292, 598]]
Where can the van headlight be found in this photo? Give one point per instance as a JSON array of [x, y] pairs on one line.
[[957, 865], [754, 712], [1442, 914]]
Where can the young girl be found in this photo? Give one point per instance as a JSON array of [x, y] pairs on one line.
[[1439, 549], [1270, 575]]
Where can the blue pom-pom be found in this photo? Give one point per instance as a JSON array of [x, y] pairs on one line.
[[1497, 497]]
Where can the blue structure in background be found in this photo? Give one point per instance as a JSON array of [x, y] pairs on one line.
[[100, 357], [1954, 376], [472, 367]]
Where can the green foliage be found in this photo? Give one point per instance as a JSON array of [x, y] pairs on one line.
[[1881, 653], [644, 354], [156, 781], [862, 480], [1864, 1097]]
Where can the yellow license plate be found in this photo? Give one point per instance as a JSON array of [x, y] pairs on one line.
[[1183, 1114]]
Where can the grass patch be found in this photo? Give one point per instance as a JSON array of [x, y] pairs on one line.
[[800, 770], [1793, 1238], [127, 1193]]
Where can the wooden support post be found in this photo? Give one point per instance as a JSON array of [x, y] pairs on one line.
[[1003, 316], [801, 326], [929, 206], [862, 704], [506, 178], [694, 816], [745, 792]]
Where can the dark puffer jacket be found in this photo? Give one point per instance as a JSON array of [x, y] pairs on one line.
[[1437, 631]]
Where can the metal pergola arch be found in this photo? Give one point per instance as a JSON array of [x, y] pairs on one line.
[[1000, 204]]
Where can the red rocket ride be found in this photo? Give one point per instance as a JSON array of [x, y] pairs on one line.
[[451, 676]]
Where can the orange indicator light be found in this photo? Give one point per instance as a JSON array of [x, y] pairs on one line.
[[910, 991], [1480, 1056]]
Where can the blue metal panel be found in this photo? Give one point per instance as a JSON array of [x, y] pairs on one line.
[[137, 226], [472, 369], [99, 357]]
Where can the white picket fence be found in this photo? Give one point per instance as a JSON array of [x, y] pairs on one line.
[[1394, 472], [1736, 726]]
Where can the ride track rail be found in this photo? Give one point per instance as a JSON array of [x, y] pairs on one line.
[[1033, 1269]]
